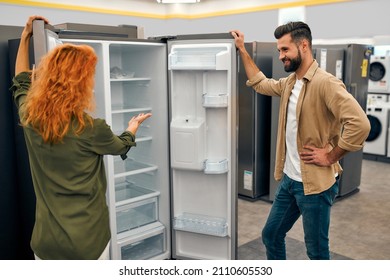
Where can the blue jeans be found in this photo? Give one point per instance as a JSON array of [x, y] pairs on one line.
[[289, 204]]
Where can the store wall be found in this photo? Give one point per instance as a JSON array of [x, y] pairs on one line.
[[359, 18]]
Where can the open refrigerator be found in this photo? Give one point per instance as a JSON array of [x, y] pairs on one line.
[[175, 195]]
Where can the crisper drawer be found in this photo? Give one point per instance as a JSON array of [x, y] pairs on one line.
[[143, 245], [137, 214]]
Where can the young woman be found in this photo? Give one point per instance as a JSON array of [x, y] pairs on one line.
[[66, 147]]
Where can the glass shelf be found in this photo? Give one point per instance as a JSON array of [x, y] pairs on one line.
[[130, 80], [128, 192], [120, 109], [201, 224], [131, 167]]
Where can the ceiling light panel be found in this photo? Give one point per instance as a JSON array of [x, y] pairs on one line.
[[177, 1]]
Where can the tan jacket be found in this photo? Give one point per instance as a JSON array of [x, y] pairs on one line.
[[327, 115]]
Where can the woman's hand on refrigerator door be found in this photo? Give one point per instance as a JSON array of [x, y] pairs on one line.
[[136, 121], [22, 63], [28, 28]]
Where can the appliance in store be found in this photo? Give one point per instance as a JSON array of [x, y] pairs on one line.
[[254, 120], [17, 202], [376, 141], [355, 68], [378, 99], [388, 134], [277, 73], [379, 78], [175, 195]]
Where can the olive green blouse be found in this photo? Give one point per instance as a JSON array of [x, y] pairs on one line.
[[72, 220]]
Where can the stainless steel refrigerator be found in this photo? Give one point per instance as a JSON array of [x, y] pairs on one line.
[[175, 196], [254, 126], [349, 63], [17, 202]]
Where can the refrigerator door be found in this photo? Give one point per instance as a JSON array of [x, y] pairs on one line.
[[45, 38], [203, 143]]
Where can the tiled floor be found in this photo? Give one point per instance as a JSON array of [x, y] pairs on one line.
[[360, 224]]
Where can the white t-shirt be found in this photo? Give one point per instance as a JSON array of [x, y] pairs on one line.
[[292, 166]]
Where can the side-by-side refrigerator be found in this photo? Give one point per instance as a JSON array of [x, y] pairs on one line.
[[350, 64], [254, 122], [175, 195]]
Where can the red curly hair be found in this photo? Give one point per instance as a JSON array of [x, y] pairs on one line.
[[61, 92]]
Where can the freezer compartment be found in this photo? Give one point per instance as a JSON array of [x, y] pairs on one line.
[[200, 56], [143, 245], [201, 224], [136, 214]]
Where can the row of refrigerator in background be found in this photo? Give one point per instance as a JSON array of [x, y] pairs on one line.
[[210, 139]]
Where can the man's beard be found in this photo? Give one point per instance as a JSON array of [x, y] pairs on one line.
[[294, 63]]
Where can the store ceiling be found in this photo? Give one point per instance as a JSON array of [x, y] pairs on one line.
[[150, 8]]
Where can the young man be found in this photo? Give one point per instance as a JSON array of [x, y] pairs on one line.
[[319, 122]]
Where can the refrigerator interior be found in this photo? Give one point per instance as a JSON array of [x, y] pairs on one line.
[[203, 148], [131, 78]]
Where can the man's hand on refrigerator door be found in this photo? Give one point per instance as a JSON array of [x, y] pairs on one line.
[[238, 39], [136, 121]]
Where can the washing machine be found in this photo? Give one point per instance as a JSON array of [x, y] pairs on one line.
[[378, 99], [379, 74], [388, 133], [376, 142]]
